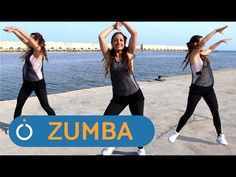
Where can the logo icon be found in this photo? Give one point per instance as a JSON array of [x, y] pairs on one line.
[[21, 126]]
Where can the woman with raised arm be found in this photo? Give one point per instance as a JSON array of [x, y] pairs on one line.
[[202, 82], [33, 75], [119, 63]]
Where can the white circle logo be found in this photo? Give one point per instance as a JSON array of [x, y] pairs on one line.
[[27, 137]]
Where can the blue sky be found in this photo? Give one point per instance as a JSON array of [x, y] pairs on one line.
[[158, 33]]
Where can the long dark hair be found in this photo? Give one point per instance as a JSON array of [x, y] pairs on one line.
[[193, 42], [124, 56], [30, 50]]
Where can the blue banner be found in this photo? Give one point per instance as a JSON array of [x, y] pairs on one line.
[[81, 131]]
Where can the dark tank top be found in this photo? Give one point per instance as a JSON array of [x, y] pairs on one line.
[[123, 84], [205, 75]]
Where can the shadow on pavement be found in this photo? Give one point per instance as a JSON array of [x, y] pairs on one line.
[[196, 140]]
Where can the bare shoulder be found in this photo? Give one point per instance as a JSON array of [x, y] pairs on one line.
[[194, 56], [130, 56], [40, 56]]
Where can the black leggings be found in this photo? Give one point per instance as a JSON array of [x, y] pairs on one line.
[[195, 94], [118, 104], [40, 90], [136, 108]]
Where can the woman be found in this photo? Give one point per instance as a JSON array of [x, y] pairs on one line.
[[33, 76], [202, 82], [119, 63]]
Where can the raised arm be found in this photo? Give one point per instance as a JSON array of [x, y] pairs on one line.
[[133, 39], [24, 37], [213, 47], [102, 39], [11, 29], [209, 36]]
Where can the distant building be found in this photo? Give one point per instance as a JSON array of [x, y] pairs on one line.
[[147, 47], [7, 46]]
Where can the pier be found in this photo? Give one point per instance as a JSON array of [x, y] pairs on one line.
[[17, 46]]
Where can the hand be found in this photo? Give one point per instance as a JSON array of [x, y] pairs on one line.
[[10, 29], [117, 25], [220, 30], [225, 40]]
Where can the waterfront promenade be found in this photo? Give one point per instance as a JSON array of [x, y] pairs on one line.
[[165, 102]]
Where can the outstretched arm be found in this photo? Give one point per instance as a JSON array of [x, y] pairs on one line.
[[133, 39], [102, 39], [11, 29], [24, 37], [213, 47], [209, 36]]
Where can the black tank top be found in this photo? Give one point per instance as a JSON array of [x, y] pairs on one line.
[[123, 84]]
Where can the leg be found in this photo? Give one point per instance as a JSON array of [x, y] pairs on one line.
[[114, 108], [21, 99], [137, 109], [42, 97], [212, 103], [193, 100]]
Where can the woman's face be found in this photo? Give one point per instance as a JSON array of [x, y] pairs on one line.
[[118, 42]]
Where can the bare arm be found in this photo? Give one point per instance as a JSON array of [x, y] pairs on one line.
[[213, 47], [102, 36], [133, 39], [102, 41], [24, 37], [12, 30], [209, 36]]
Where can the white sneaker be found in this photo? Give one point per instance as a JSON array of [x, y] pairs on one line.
[[141, 151], [108, 150], [173, 136], [221, 139]]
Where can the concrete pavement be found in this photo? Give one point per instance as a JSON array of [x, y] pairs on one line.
[[165, 102]]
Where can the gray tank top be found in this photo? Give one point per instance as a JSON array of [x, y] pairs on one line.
[[203, 77], [123, 84], [29, 73]]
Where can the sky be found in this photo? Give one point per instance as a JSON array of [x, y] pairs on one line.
[[153, 33]]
